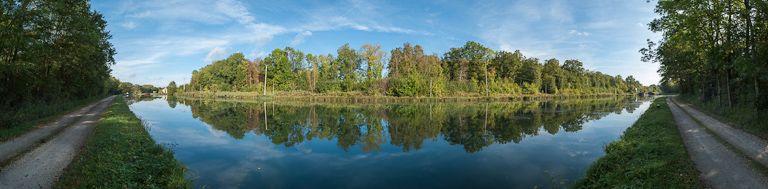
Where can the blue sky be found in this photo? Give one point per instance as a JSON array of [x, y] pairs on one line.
[[164, 40]]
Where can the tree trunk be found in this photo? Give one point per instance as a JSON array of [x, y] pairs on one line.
[[266, 71], [750, 50], [728, 87], [430, 87], [487, 91], [719, 91]]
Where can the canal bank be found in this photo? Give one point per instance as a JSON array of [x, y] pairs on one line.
[[357, 97], [649, 154], [121, 154]]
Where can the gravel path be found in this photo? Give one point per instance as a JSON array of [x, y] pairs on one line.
[[720, 167], [20, 144], [41, 167], [752, 146]]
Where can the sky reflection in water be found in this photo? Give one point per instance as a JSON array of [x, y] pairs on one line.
[[466, 145]]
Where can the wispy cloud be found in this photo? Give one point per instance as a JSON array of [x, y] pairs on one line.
[[206, 29], [129, 25], [216, 53], [603, 35], [354, 14], [170, 38], [299, 38]]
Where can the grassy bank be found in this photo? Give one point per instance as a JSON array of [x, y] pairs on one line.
[[121, 154], [739, 115], [650, 154], [18, 121], [360, 97]]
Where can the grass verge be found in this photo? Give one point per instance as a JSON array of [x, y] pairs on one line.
[[650, 154], [121, 154], [16, 122]]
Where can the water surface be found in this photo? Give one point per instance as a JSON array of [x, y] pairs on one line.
[[547, 144]]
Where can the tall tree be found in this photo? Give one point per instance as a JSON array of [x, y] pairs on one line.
[[281, 73], [551, 76], [171, 88], [349, 62], [373, 57]]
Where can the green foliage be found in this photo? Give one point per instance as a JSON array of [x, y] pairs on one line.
[[121, 154], [50, 52], [468, 62], [405, 86], [470, 69], [650, 154], [715, 50], [230, 74], [738, 116], [507, 65], [171, 89], [349, 63], [530, 72]]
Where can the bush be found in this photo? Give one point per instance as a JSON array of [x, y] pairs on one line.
[[329, 86]]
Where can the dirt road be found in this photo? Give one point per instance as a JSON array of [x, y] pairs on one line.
[[720, 166], [41, 167]]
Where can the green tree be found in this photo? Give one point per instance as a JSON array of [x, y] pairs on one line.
[[507, 64], [230, 74], [373, 57], [51, 52], [530, 75], [281, 73], [551, 76], [349, 62], [471, 61], [471, 68], [171, 88]]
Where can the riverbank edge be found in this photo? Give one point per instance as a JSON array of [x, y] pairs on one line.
[[650, 154], [363, 98], [43, 114], [121, 154]]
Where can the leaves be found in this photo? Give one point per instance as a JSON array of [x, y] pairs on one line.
[[472, 68], [52, 51]]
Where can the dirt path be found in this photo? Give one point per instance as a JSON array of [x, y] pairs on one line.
[[720, 166], [41, 167], [753, 146], [20, 144]]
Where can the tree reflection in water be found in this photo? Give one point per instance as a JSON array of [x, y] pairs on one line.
[[472, 125]]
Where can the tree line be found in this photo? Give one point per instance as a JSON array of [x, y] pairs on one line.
[[471, 69], [51, 52], [714, 50]]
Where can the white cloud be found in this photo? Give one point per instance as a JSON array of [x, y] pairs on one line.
[[217, 53], [204, 28], [605, 36], [578, 33], [235, 9], [299, 38], [354, 14], [129, 25]]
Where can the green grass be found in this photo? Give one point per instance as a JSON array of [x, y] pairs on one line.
[[650, 154], [18, 121], [121, 154]]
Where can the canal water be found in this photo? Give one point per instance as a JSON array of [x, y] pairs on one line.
[[539, 144]]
